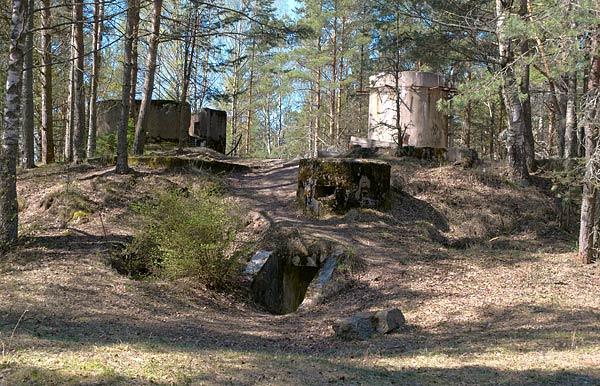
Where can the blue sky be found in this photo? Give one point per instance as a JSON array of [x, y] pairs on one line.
[[285, 6]]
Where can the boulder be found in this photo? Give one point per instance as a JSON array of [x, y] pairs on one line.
[[364, 324], [389, 320], [359, 326]]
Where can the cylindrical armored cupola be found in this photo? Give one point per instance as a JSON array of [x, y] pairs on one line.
[[421, 123]]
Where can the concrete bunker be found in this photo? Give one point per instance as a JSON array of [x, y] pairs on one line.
[[165, 119], [281, 278], [281, 284], [421, 122], [339, 184], [208, 128]]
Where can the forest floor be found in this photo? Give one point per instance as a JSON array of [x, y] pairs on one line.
[[488, 282]]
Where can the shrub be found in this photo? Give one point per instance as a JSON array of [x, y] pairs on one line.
[[187, 234], [106, 144]]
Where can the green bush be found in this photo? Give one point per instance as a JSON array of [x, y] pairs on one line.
[[106, 144], [187, 234]]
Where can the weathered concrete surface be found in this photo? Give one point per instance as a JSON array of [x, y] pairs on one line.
[[339, 184], [429, 153], [280, 286], [209, 128], [419, 92], [164, 119], [282, 280], [328, 281], [462, 156], [364, 324]]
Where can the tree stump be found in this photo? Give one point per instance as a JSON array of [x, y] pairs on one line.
[[340, 184]]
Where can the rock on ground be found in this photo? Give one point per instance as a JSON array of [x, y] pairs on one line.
[[364, 324]]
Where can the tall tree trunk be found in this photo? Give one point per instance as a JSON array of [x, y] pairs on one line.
[[9, 148], [47, 123], [515, 140], [188, 64], [500, 130], [250, 99], [27, 149], [95, 74], [571, 116], [340, 80], [561, 121], [318, 103], [68, 134], [492, 108], [587, 252], [134, 61], [554, 92], [525, 94], [468, 111], [78, 84], [450, 116], [122, 166], [526, 103], [279, 120], [333, 86], [142, 119]]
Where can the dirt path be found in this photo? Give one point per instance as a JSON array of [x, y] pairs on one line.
[[270, 189]]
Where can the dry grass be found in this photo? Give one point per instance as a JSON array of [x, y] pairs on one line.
[[517, 312]]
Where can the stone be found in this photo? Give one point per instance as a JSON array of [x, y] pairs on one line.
[[360, 326], [389, 320], [257, 261], [364, 324], [339, 184]]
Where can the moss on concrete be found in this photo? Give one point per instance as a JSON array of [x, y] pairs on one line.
[[339, 184]]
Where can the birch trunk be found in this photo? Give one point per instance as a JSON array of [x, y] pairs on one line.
[[68, 134], [27, 150], [9, 147], [515, 140]]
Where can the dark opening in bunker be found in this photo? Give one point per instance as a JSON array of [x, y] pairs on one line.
[[324, 190], [281, 284]]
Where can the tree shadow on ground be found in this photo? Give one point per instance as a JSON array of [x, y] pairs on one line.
[[328, 373]]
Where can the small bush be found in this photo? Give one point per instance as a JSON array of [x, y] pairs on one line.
[[187, 234], [106, 144]]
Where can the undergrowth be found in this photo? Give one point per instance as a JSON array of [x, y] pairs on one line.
[[184, 234], [106, 144]]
